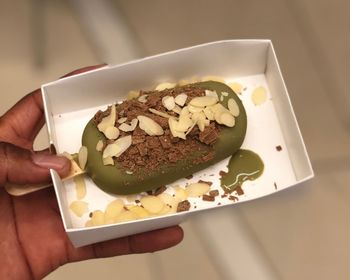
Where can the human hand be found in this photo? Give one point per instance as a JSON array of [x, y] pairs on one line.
[[33, 241]]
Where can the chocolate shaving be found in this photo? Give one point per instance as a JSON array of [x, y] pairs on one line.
[[232, 197], [278, 148], [160, 190], [208, 197], [183, 206], [214, 193], [239, 190]]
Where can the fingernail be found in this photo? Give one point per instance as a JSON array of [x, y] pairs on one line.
[[49, 161]]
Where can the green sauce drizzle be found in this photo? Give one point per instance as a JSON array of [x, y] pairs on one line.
[[243, 165]]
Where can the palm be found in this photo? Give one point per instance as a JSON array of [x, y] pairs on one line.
[[32, 238]]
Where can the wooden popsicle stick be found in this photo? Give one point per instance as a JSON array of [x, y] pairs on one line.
[[18, 190]]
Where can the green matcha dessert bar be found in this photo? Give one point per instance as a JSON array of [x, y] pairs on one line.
[[156, 137]]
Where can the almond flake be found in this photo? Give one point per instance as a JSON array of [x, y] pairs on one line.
[[129, 127], [111, 132], [197, 189], [227, 119], [82, 157], [177, 109], [193, 109], [111, 150], [99, 146], [152, 204], [133, 94], [209, 113], [123, 143], [108, 121], [184, 123], [224, 93], [233, 107], [108, 161], [122, 120], [79, 207], [211, 93], [143, 98], [161, 114], [150, 126], [181, 99], [259, 96], [236, 87], [173, 124], [164, 86], [203, 101], [213, 78], [168, 102]]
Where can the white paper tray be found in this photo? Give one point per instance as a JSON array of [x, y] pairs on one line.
[[71, 102]]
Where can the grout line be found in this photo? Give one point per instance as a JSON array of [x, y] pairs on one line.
[[320, 61]]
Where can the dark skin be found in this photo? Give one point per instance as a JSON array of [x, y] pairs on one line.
[[33, 242]]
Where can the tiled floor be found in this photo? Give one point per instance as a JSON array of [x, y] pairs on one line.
[[302, 233]]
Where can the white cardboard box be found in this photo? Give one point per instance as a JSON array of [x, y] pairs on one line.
[[71, 102]]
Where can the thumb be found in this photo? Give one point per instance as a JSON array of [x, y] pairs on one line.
[[21, 166]]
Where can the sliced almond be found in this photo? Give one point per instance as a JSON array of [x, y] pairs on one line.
[[180, 194], [184, 123], [227, 119], [99, 146], [80, 187], [111, 133], [150, 126], [236, 87], [82, 157], [152, 204], [133, 94], [177, 109], [113, 209], [164, 86], [159, 113], [97, 218], [213, 78], [139, 211], [123, 143], [201, 124], [211, 93], [185, 111], [224, 93], [198, 116], [197, 189], [168, 102], [129, 127], [108, 121], [108, 161], [126, 216], [233, 107], [169, 200], [122, 120], [79, 207], [173, 129], [203, 101], [143, 98], [193, 109], [259, 96], [111, 150], [209, 114], [180, 99]]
